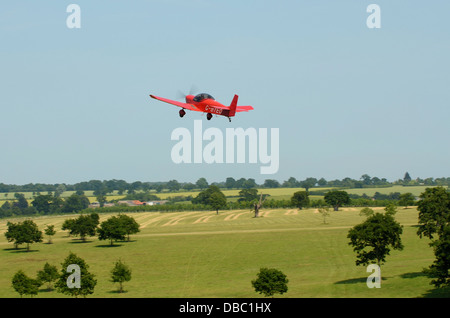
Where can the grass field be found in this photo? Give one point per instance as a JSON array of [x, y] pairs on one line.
[[201, 254]]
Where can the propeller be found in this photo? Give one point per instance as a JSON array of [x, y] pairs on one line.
[[181, 95]]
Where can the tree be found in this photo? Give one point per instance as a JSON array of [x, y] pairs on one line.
[[50, 231], [290, 183], [391, 209], [189, 186], [434, 212], [11, 233], [434, 220], [212, 197], [129, 224], [56, 205], [23, 232], [217, 200], [439, 270], [239, 183], [271, 183], [249, 183], [372, 240], [248, 195], [270, 281], [21, 203], [101, 199], [120, 273], [5, 210], [407, 178], [322, 182], [173, 185], [406, 199], [48, 275], [308, 183], [42, 203], [75, 203], [84, 225], [300, 199], [203, 196], [336, 198], [112, 229], [230, 183], [68, 225], [366, 179], [366, 211], [258, 205], [25, 285], [60, 189], [87, 280], [202, 183], [325, 211], [159, 188]]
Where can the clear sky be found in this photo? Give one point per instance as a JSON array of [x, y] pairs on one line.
[[348, 100]]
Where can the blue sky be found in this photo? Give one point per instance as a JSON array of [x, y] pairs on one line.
[[348, 100]]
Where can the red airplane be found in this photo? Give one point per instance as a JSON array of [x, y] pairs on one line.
[[207, 104]]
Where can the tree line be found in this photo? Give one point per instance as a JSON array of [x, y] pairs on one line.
[[115, 228], [43, 204], [122, 186], [51, 204]]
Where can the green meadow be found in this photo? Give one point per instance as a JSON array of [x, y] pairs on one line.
[[201, 254]]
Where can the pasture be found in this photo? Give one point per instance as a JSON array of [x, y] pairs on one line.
[[201, 254]]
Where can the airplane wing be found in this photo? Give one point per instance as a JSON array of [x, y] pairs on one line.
[[238, 108], [243, 108], [176, 103]]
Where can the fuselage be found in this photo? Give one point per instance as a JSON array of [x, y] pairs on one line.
[[207, 104]]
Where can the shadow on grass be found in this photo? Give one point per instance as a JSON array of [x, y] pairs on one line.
[[413, 275], [108, 245], [352, 281], [117, 292], [20, 250], [79, 241], [443, 292], [130, 241], [356, 280], [47, 290]]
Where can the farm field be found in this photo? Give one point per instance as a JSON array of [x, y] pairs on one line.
[[201, 254]]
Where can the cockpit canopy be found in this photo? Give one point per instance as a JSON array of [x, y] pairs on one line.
[[202, 96]]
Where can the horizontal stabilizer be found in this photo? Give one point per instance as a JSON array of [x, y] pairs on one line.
[[243, 108]]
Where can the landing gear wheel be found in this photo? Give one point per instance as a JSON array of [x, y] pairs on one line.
[[209, 116], [182, 112]]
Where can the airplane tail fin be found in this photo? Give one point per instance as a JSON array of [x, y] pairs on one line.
[[233, 106]]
